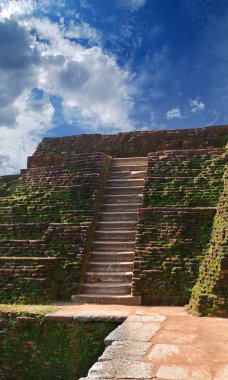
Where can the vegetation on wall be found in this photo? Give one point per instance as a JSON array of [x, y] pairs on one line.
[[184, 178], [209, 295], [170, 246], [181, 191], [40, 349], [47, 220]]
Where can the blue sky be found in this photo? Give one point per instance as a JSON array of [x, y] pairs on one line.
[[99, 66]]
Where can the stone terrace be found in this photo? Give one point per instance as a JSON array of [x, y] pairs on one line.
[[162, 343], [63, 220]]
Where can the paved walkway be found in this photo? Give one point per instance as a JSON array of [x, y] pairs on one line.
[[162, 343]]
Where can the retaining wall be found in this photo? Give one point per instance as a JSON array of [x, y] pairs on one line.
[[47, 220]]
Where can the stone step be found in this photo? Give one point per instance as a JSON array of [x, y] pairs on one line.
[[123, 198], [109, 272], [107, 299], [119, 235], [124, 190], [127, 174], [111, 266], [129, 160], [106, 288], [128, 167], [118, 216], [108, 277], [124, 182], [127, 225], [102, 245], [120, 207], [112, 256]]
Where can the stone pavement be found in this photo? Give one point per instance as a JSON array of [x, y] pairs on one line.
[[169, 345]]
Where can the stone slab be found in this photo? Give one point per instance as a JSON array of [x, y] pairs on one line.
[[88, 317], [147, 318], [172, 372], [221, 373], [163, 351], [120, 369], [133, 331], [175, 337], [125, 350]]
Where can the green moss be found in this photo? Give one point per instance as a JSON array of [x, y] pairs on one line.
[[43, 350], [185, 181], [209, 295], [56, 207], [171, 245]]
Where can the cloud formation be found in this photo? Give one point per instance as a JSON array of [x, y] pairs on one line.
[[132, 5], [32, 119], [196, 105], [35, 52], [135, 4], [175, 113], [17, 62]]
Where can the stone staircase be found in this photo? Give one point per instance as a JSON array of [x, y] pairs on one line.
[[109, 272]]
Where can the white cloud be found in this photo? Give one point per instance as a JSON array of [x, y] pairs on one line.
[[32, 119], [175, 113], [85, 4], [196, 105], [92, 86], [37, 53], [15, 8], [81, 30], [24, 8], [134, 4]]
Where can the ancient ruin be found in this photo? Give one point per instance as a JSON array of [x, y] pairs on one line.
[[133, 218]]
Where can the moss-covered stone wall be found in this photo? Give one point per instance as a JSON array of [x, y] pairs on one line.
[[48, 214], [181, 191], [132, 144], [39, 349], [182, 178], [210, 293], [7, 182], [170, 246]]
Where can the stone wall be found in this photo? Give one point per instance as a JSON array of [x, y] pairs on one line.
[[37, 348], [210, 293], [29, 279], [47, 219], [172, 241], [7, 182], [170, 245], [133, 143], [48, 213], [184, 178]]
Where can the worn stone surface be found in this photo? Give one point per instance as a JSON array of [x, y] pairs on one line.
[[184, 348], [222, 373], [119, 369], [133, 331], [163, 351], [98, 317], [147, 318], [172, 372], [175, 337], [125, 350]]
